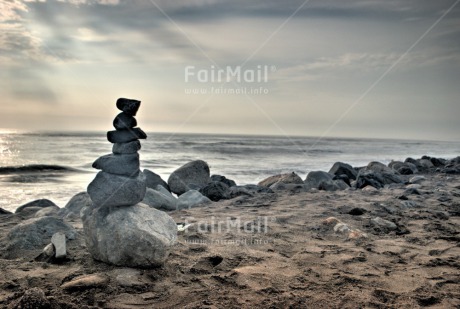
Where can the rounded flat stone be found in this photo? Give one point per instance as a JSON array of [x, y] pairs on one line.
[[129, 106]]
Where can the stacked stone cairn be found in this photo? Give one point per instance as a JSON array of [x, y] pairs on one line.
[[118, 228]]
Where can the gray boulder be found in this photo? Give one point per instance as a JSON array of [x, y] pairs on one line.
[[379, 168], [126, 148], [152, 180], [288, 178], [111, 190], [129, 106], [223, 179], [4, 212], [47, 211], [215, 191], [369, 178], [41, 203], [191, 199], [35, 233], [340, 168], [123, 165], [135, 236], [160, 200], [316, 178], [333, 185], [75, 205], [193, 173], [125, 136], [124, 121], [248, 190]]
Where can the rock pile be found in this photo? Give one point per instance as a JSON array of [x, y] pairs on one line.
[[118, 228]]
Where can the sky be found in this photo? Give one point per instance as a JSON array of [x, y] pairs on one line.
[[345, 68]]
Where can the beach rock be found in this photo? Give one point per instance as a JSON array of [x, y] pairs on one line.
[[75, 205], [159, 200], [294, 188], [215, 191], [288, 178], [136, 236], [85, 282], [191, 199], [315, 178], [42, 203], [126, 136], [225, 180], [369, 188], [47, 255], [126, 148], [47, 211], [438, 162], [124, 165], [341, 228], [129, 106], [35, 233], [248, 190], [369, 178], [333, 185], [123, 121], [385, 224], [379, 168], [152, 180], [111, 190], [33, 298], [59, 242], [4, 212], [403, 168], [195, 172], [417, 179], [426, 164], [344, 178], [340, 168]]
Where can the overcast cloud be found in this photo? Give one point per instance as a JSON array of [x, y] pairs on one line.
[[64, 63]]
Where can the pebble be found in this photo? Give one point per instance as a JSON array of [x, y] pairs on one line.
[[85, 282], [59, 243]]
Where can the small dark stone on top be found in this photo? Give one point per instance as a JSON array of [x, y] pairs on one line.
[[128, 106], [124, 121]]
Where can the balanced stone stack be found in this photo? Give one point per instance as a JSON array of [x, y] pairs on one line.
[[121, 182], [118, 228]]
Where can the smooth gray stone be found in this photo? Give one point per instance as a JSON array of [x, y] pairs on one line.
[[123, 165], [47, 211], [35, 233], [215, 191], [153, 180], [384, 223], [129, 106], [191, 199], [59, 242], [108, 190], [124, 121], [315, 178], [340, 168], [159, 199], [126, 148], [288, 178], [136, 236], [73, 207], [125, 136], [220, 178], [43, 203], [193, 173]]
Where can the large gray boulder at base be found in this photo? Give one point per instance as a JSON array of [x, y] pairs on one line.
[[135, 236], [159, 199], [36, 233], [153, 180], [340, 168], [288, 178], [112, 190], [192, 199], [195, 173], [119, 164]]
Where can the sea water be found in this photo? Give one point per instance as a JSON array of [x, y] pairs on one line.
[[245, 159]]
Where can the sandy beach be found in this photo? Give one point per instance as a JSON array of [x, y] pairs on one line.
[[272, 250]]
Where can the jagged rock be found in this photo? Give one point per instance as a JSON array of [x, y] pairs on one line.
[[123, 121], [379, 168], [111, 190], [35, 233], [126, 136], [315, 178], [152, 180], [75, 205], [193, 173], [225, 180], [123, 165], [160, 200], [191, 199], [215, 191], [288, 178], [340, 168], [369, 178], [126, 148], [42, 203], [129, 106], [144, 236]]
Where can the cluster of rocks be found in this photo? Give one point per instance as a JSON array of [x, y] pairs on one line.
[[118, 228]]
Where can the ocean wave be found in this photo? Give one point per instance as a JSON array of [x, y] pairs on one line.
[[36, 168]]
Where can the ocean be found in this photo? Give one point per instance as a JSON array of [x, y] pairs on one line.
[[246, 159]]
